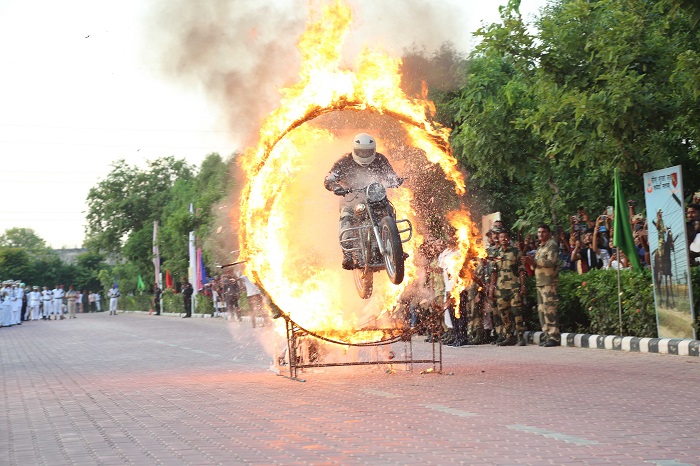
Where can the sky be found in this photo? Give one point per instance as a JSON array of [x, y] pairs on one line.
[[86, 83]]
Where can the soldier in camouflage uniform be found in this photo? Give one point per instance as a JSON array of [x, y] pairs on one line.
[[475, 304], [508, 279], [546, 264], [491, 319]]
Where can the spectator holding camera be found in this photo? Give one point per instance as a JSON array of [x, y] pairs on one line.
[[600, 243], [583, 255], [692, 214], [641, 237], [692, 228], [566, 262]]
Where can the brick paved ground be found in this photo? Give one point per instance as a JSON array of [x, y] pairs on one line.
[[139, 389]]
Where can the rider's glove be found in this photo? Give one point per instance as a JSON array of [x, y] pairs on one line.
[[395, 182], [340, 191]]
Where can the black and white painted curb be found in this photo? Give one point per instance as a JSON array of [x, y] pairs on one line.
[[677, 346]]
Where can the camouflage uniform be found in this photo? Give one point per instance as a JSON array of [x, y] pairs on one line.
[[491, 319], [475, 306], [547, 278], [508, 272]]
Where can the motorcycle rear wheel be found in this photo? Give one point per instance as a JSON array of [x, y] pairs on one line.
[[364, 282], [393, 250]]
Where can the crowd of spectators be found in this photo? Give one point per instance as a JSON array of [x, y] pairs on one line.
[[491, 307]]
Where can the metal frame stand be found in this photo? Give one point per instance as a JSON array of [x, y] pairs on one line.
[[300, 359]]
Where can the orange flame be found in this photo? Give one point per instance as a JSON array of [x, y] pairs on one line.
[[288, 232]]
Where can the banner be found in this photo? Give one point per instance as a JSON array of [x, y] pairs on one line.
[[486, 225], [156, 255], [668, 248], [193, 260], [168, 279]]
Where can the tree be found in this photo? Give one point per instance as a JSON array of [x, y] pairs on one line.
[[87, 269], [15, 263], [27, 239], [128, 199], [590, 90]]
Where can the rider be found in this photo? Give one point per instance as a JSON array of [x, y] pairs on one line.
[[355, 170]]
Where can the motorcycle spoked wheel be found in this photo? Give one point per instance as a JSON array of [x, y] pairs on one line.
[[393, 250], [364, 282]]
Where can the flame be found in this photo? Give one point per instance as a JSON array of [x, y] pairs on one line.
[[288, 228]]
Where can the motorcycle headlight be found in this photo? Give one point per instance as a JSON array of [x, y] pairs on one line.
[[376, 192], [360, 208]]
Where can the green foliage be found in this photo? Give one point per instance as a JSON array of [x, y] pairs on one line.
[[88, 266], [136, 302], [204, 305], [546, 113], [129, 199], [172, 302], [588, 303], [27, 239], [597, 294], [15, 263]]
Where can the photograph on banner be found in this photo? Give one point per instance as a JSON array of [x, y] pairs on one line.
[[663, 192], [486, 225]]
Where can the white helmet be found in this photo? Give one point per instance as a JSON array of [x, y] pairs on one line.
[[364, 149]]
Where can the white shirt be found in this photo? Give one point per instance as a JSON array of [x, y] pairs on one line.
[[250, 288], [445, 261]]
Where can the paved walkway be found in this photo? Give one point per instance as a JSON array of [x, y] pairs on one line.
[[138, 389]]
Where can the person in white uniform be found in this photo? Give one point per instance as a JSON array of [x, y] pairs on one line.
[[46, 303], [18, 292], [113, 295], [6, 309], [58, 294], [34, 301]]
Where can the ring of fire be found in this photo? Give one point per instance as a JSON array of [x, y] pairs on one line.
[[292, 280]]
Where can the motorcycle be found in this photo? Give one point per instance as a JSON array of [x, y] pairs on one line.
[[375, 241]]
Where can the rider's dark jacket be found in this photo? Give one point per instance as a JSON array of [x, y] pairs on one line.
[[348, 174]]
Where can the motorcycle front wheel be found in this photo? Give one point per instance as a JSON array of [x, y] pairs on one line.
[[393, 249], [364, 282]]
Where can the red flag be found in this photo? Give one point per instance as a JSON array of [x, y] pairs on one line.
[[168, 279]]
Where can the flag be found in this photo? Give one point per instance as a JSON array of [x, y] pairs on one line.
[[622, 234], [156, 255], [140, 286], [168, 279], [201, 271]]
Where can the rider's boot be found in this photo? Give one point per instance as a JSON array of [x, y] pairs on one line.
[[348, 262]]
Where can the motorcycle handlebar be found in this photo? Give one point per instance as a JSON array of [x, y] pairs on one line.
[[343, 192]]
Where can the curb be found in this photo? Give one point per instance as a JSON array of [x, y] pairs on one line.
[[675, 346]]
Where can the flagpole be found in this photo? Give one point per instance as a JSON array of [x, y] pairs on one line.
[[619, 289], [193, 264]]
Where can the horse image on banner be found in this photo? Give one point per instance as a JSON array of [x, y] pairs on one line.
[[668, 247]]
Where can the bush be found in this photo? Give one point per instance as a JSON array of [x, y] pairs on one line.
[[172, 302], [136, 302], [588, 303], [204, 305], [597, 293]]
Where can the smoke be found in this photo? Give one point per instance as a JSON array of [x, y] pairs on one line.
[[240, 53]]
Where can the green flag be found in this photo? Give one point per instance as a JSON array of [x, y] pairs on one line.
[[139, 284], [622, 235]]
